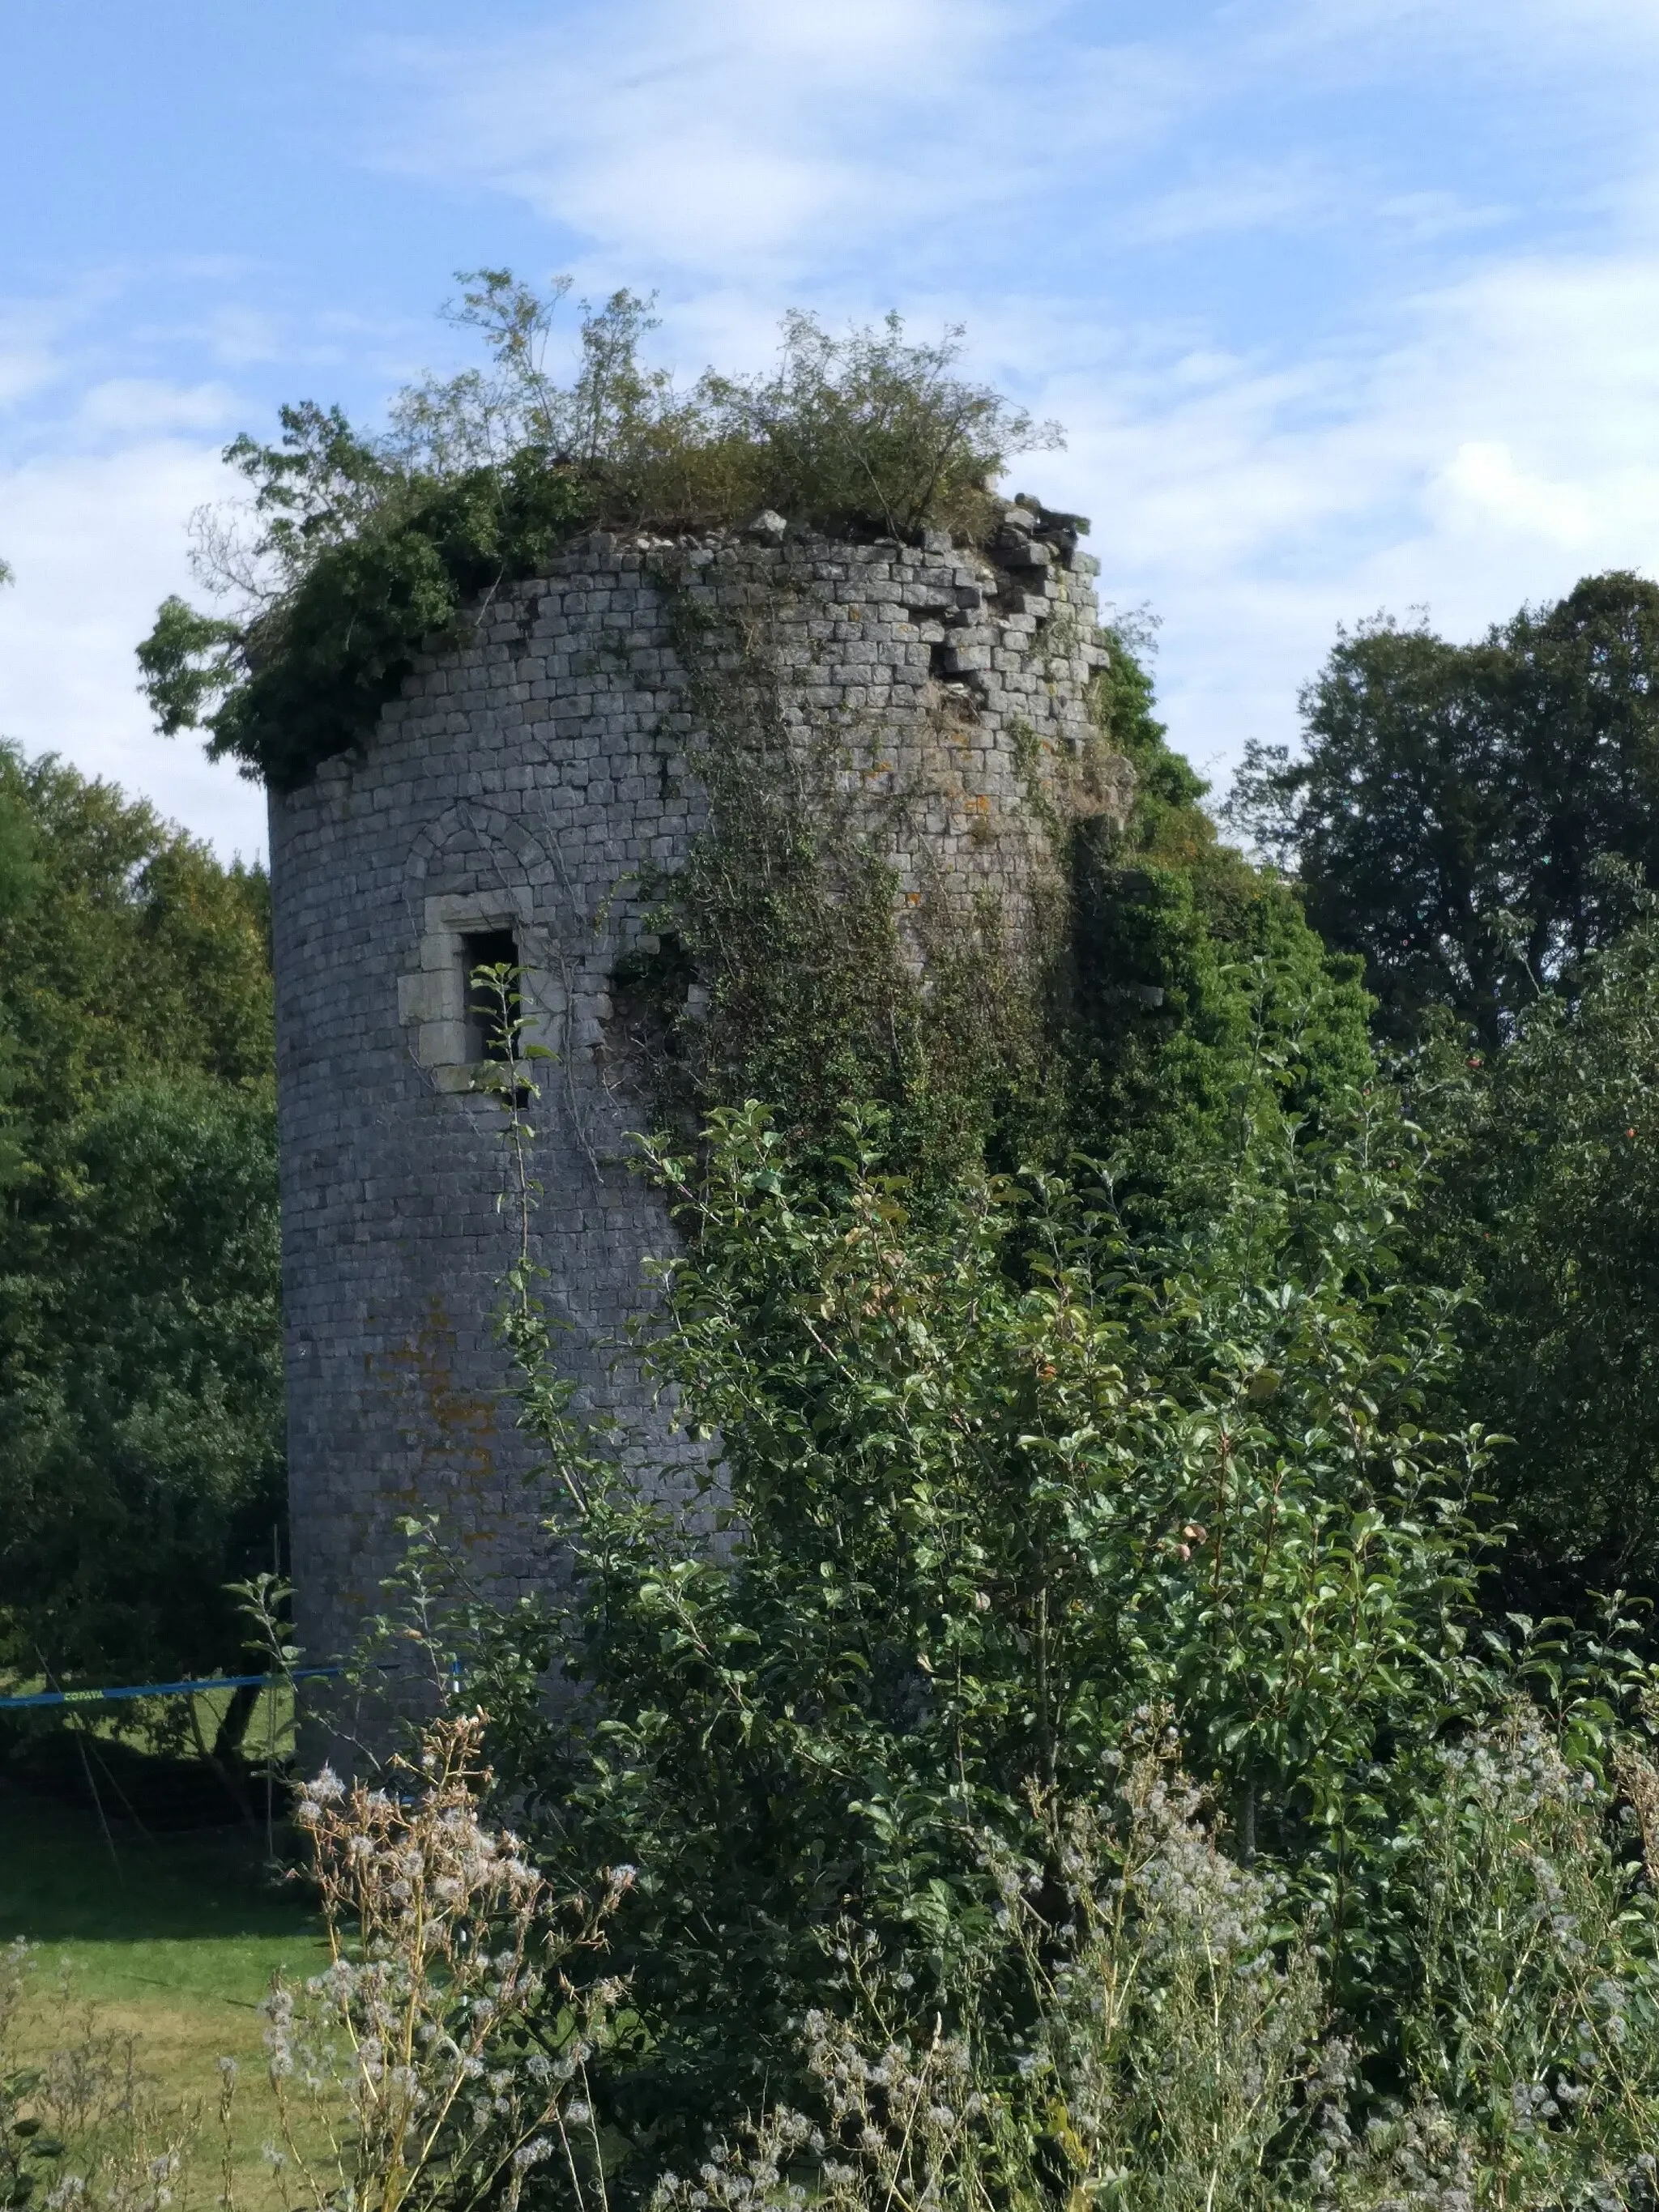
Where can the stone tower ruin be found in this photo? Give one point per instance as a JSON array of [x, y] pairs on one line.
[[518, 802]]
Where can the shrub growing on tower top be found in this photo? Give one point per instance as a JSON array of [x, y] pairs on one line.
[[350, 549]]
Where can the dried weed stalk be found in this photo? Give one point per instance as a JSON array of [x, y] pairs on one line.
[[82, 2127], [442, 2058]]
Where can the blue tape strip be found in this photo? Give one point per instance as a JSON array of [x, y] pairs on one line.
[[158, 1689]]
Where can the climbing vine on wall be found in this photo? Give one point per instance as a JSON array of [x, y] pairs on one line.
[[777, 965]]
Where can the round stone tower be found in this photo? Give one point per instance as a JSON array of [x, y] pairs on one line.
[[518, 802]]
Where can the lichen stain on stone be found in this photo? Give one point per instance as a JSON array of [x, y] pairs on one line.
[[450, 1430]]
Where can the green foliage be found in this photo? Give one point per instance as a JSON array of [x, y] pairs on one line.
[[124, 940], [79, 2123], [868, 432], [140, 1395], [1468, 816], [1191, 978], [1548, 1202], [1167, 823], [1013, 1512], [141, 1420], [992, 1477], [1173, 2061], [1004, 1481], [362, 548], [1171, 978], [1189, 989], [19, 883], [785, 915], [1533, 2013], [304, 676], [1182, 2054]]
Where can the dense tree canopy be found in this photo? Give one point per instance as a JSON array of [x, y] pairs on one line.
[[140, 1400], [1468, 818]]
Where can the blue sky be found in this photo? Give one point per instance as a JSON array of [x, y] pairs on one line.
[[1346, 304]]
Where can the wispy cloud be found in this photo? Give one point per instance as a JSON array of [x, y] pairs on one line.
[[776, 140], [132, 407], [729, 142], [1345, 302], [1438, 402], [1505, 441]]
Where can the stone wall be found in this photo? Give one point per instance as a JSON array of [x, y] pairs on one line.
[[535, 780]]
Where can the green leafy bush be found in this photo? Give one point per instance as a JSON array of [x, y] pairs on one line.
[[993, 1478], [1019, 1520], [1548, 1203], [1188, 978]]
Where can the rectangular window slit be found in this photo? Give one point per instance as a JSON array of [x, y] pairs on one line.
[[486, 948]]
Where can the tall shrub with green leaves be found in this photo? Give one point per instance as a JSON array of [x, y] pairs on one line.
[[1547, 1203], [990, 1478], [1009, 1513], [1190, 977]]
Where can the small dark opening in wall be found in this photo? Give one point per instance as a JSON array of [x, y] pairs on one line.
[[486, 948]]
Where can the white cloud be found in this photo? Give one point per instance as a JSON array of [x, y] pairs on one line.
[[1483, 487], [1315, 40], [1470, 443], [1456, 417], [1505, 442], [774, 140], [770, 139], [97, 542], [29, 333]]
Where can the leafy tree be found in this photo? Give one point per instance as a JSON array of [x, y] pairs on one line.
[[1547, 1162], [19, 881], [140, 1452], [1468, 818], [141, 1421], [124, 941]]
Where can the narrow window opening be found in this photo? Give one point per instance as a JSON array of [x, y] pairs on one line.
[[486, 948]]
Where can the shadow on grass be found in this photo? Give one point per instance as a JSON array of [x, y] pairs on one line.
[[61, 1882]]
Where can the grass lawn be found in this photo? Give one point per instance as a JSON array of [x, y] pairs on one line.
[[173, 1937]]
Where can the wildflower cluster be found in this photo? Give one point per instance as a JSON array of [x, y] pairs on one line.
[[1179, 2053], [443, 2056], [903, 2128], [1535, 2016]]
